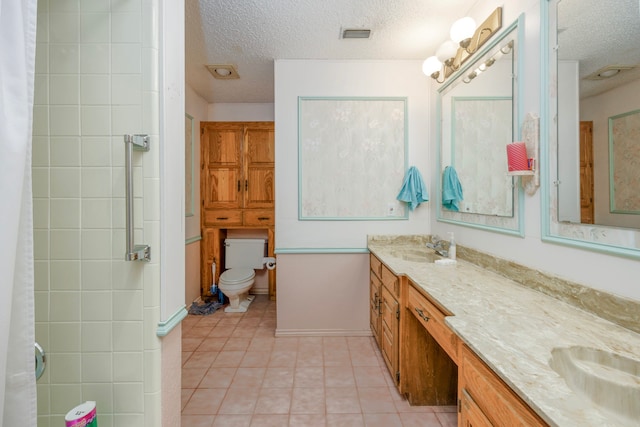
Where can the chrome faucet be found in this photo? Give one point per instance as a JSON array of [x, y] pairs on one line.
[[438, 246]]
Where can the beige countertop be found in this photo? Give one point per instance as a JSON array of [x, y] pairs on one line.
[[513, 329]]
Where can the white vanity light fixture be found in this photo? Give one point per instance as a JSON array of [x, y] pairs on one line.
[[466, 39]]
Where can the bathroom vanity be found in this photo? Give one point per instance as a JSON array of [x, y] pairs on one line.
[[463, 335]]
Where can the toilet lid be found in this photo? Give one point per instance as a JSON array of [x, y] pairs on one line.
[[237, 275]]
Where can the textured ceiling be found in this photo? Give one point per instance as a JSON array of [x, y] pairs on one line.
[[252, 33], [599, 33]]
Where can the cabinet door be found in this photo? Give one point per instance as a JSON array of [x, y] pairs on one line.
[[259, 180], [390, 331], [470, 414], [222, 165], [374, 305]]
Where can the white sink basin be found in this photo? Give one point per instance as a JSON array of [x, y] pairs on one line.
[[611, 381]]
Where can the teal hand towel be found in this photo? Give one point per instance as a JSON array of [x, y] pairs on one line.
[[451, 189], [413, 190]]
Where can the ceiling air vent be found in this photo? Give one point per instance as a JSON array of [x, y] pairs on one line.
[[223, 71], [361, 33]]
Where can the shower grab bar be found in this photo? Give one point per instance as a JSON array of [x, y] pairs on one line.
[[139, 143]]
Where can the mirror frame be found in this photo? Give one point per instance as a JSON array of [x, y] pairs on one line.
[[606, 239], [508, 225]]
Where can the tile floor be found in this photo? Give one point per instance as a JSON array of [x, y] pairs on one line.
[[235, 372]]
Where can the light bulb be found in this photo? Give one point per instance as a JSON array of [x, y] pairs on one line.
[[431, 65], [463, 29], [447, 50]]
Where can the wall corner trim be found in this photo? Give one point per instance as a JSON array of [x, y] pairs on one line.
[[174, 320]]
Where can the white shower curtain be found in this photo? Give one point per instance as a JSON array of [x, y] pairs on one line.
[[17, 67]]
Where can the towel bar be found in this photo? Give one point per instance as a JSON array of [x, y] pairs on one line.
[[140, 143]]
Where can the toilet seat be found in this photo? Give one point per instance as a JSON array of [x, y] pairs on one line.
[[236, 276]]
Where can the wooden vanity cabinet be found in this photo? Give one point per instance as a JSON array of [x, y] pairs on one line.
[[485, 400], [237, 188], [375, 286], [429, 352], [385, 314]]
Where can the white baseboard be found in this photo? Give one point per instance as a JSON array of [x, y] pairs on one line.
[[323, 333]]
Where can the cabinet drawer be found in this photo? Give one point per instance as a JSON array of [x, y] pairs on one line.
[[375, 265], [433, 320], [390, 281], [222, 217], [492, 396], [258, 217]]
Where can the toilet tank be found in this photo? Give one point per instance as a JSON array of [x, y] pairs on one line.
[[244, 253]]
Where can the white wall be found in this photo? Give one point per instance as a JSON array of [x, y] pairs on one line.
[[569, 134], [230, 112], [197, 108], [598, 109], [336, 284], [613, 274]]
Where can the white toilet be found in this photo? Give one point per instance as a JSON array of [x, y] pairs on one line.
[[242, 256]]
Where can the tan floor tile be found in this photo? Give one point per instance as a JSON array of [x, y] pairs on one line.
[[285, 344], [339, 376], [269, 420], [307, 420], [192, 377], [218, 378], [447, 419], [279, 377], [345, 420], [186, 395], [255, 359], [235, 344], [307, 357], [336, 357], [212, 344], [248, 377], [201, 359], [225, 420], [239, 401], [262, 344], [382, 420], [414, 419], [342, 400], [257, 379], [376, 400], [228, 359], [312, 376], [204, 402], [274, 401], [282, 358], [197, 332], [197, 420], [190, 344], [308, 401], [369, 376]]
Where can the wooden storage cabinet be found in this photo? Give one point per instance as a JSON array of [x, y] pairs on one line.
[[237, 188], [385, 314], [488, 398], [374, 305]]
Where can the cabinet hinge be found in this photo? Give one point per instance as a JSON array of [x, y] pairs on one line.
[[398, 376], [398, 312], [459, 405]]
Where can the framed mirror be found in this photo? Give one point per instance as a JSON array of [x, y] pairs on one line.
[[478, 115], [590, 92]]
